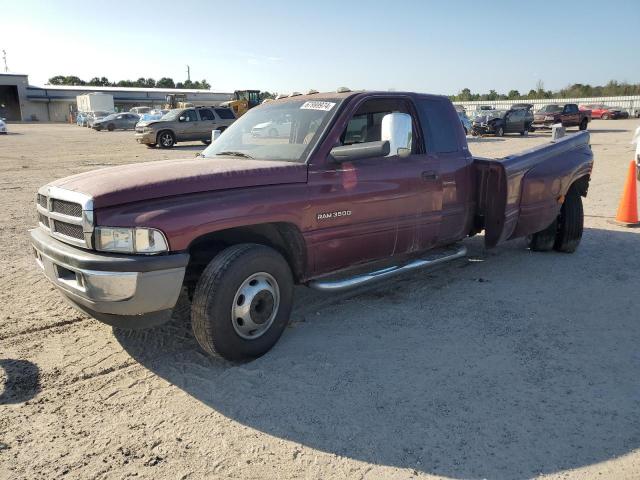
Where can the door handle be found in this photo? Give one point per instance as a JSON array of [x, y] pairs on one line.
[[429, 176]]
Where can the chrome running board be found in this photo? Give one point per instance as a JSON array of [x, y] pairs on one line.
[[362, 279]]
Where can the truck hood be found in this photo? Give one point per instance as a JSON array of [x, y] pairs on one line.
[[144, 181]]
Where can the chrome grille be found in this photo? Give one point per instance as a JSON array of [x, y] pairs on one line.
[[66, 215], [68, 229], [42, 201], [66, 208], [43, 219]]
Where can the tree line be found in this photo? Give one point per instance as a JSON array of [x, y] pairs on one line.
[[164, 82], [577, 90]]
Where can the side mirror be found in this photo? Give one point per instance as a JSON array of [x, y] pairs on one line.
[[398, 131], [215, 134], [182, 119], [357, 151]]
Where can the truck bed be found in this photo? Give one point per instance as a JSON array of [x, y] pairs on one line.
[[522, 194]]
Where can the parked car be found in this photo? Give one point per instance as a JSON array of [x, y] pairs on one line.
[[568, 114], [239, 227], [3, 126], [140, 110], [280, 127], [605, 112], [93, 117], [637, 113], [501, 122], [184, 125], [117, 121], [149, 117]]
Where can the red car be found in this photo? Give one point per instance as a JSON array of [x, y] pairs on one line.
[[604, 112]]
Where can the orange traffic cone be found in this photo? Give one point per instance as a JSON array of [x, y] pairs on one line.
[[628, 210]]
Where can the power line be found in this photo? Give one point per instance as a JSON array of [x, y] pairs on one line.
[[4, 58]]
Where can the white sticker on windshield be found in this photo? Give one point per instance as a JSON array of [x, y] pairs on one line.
[[317, 105]]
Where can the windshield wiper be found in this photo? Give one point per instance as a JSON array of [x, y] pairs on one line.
[[234, 154]]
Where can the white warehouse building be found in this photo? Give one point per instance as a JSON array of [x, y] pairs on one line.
[[20, 101]]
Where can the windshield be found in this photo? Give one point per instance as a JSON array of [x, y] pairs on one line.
[[285, 130], [551, 109], [172, 114], [488, 114]]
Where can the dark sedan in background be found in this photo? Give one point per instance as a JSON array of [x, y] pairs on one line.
[[117, 121], [518, 119]]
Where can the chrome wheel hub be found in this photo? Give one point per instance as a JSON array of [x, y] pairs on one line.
[[255, 306]]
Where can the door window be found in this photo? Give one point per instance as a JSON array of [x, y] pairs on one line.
[[225, 113], [439, 126], [206, 114], [366, 123], [189, 116]]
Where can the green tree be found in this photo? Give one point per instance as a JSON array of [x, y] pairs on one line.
[[513, 94], [165, 82]]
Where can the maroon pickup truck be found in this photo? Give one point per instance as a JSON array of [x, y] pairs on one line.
[[361, 186], [567, 114]]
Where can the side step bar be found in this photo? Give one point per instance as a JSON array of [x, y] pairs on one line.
[[362, 279]]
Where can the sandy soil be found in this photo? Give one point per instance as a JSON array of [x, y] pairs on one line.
[[507, 365]]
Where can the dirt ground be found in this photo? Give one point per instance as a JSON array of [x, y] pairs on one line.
[[506, 365]]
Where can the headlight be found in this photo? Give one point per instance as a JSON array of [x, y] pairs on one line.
[[147, 129], [130, 240]]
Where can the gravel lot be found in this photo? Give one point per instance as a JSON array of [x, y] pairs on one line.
[[507, 365]]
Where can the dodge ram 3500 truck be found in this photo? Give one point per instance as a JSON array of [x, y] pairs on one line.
[[366, 185]]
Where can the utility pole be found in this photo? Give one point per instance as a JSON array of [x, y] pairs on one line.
[[188, 73], [4, 57]]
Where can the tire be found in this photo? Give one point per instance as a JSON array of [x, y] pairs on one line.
[[166, 139], [111, 127], [500, 132], [583, 124], [605, 116], [206, 142], [226, 281], [273, 133], [524, 132], [570, 224], [544, 240]]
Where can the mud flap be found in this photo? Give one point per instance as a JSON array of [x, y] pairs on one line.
[[492, 200]]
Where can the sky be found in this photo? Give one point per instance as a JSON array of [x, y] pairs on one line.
[[282, 46]]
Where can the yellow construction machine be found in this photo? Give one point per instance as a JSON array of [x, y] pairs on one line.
[[242, 101]]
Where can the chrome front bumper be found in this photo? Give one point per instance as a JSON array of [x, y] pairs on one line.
[[129, 291]]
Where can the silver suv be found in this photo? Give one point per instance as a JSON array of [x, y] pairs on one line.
[[184, 125]]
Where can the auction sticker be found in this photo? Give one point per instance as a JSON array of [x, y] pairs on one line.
[[317, 105]]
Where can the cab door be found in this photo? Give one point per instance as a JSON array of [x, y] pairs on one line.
[[206, 124], [374, 208], [187, 128]]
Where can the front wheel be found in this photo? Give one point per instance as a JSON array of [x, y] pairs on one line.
[[500, 132], [242, 302], [166, 139], [605, 116], [111, 127]]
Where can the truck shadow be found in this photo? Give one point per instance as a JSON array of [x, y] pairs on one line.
[[21, 381], [438, 371]]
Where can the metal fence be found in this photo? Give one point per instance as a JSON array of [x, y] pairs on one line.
[[631, 104]]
